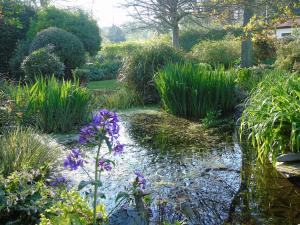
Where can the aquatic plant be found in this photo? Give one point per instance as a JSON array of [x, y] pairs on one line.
[[52, 105], [271, 117], [192, 91]]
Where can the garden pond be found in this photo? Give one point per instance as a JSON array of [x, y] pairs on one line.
[[202, 174]]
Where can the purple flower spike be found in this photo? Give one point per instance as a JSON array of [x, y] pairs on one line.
[[73, 160], [105, 165], [140, 179]]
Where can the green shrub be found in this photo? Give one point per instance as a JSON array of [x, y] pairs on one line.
[[191, 91], [191, 37], [66, 46], [225, 52], [15, 20], [19, 54], [51, 105], [81, 74], [139, 69], [77, 22], [42, 61], [288, 56], [22, 149], [265, 50], [271, 117], [23, 196]]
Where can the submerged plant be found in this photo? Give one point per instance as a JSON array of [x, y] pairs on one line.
[[272, 115]]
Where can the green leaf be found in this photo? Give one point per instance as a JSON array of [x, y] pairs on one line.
[[83, 184], [122, 195]]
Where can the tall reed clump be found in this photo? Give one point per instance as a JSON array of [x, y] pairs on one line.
[[52, 105], [23, 149], [272, 115], [192, 91]]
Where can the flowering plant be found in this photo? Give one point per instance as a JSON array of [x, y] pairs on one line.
[[104, 128]]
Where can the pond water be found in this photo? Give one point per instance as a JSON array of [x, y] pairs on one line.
[[210, 183]]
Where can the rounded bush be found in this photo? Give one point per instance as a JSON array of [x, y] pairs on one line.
[[77, 22], [66, 46], [42, 62], [139, 69], [215, 53]]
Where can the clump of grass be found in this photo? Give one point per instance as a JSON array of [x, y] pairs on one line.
[[272, 115], [192, 91], [52, 105], [22, 149], [121, 99]]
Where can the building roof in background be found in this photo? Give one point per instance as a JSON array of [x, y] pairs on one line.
[[290, 23]]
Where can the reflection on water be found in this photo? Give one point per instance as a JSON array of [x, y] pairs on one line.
[[216, 186]]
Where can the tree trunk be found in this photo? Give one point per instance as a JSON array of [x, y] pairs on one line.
[[175, 36], [247, 45]]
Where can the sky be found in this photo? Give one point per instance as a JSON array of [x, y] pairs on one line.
[[106, 12]]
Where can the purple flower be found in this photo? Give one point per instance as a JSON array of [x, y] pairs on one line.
[[118, 149], [74, 159], [86, 133], [58, 180], [140, 179], [105, 165]]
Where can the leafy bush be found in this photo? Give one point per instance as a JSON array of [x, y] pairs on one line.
[[78, 23], [13, 29], [215, 53], [288, 56], [22, 149], [191, 37], [271, 116], [191, 91], [42, 61], [139, 69], [51, 105], [71, 209], [19, 54], [264, 50], [66, 46]]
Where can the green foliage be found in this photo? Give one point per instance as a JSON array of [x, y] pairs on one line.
[[271, 117], [265, 50], [81, 74], [15, 19], [23, 196], [191, 37], [66, 46], [139, 69], [22, 149], [248, 78], [51, 105], [288, 56], [105, 84], [121, 99], [72, 209], [78, 23], [191, 91], [224, 52], [42, 61], [20, 52]]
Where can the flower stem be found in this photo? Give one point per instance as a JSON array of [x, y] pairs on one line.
[[96, 184]]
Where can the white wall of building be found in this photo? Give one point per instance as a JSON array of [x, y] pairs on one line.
[[282, 32]]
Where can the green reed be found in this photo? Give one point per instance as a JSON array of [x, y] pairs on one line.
[[192, 91]]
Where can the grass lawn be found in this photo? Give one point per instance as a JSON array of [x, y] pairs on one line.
[[104, 84]]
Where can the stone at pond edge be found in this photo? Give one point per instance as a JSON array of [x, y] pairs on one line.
[[290, 157], [127, 217]]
